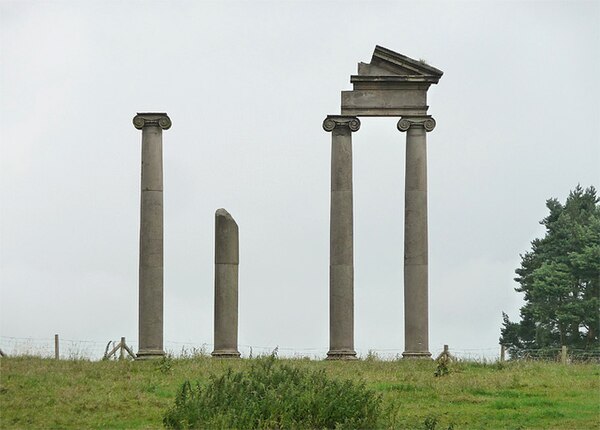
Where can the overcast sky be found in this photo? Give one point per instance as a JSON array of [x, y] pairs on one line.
[[247, 86]]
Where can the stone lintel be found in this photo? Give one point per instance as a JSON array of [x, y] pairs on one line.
[[152, 119], [381, 112], [378, 102], [408, 121], [333, 121]]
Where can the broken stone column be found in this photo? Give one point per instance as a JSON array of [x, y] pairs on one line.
[[341, 242], [416, 301], [151, 235], [226, 285]]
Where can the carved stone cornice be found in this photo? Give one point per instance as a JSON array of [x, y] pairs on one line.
[[334, 121], [426, 121], [152, 119]]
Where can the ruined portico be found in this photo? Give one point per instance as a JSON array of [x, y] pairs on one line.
[[391, 85]]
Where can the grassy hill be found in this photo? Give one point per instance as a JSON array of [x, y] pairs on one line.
[[40, 393]]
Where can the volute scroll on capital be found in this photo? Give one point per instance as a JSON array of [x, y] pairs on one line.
[[427, 122], [333, 121], [161, 120]]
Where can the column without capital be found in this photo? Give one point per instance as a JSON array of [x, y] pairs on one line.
[[341, 246], [226, 285], [416, 301], [151, 235]]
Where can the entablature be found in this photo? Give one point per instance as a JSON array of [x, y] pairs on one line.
[[391, 84]]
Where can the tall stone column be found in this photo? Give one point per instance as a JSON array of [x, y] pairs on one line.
[[151, 235], [416, 301], [341, 246], [226, 285]]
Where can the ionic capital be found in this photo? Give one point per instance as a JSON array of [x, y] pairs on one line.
[[334, 121], [426, 121], [161, 120]]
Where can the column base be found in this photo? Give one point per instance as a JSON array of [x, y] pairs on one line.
[[149, 354], [341, 354], [225, 353], [424, 355]]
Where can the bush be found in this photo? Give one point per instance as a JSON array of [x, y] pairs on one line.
[[273, 395]]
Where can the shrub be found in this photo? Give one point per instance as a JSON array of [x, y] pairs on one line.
[[442, 367], [273, 395]]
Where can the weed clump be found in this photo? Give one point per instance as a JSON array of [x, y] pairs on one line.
[[431, 423], [443, 366], [273, 395], [165, 364]]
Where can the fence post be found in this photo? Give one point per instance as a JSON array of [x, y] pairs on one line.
[[122, 349], [56, 351], [502, 353], [445, 354], [563, 354]]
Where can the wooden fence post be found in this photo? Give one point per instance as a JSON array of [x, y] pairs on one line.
[[502, 353], [445, 355], [563, 355], [56, 351], [122, 349], [128, 350]]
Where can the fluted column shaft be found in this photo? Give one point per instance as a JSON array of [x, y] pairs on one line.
[[151, 235], [416, 302], [226, 285], [341, 251]]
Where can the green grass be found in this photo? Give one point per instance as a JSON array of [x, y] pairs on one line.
[[79, 394], [272, 394]]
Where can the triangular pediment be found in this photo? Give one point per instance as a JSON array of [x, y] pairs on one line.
[[388, 63], [391, 84]]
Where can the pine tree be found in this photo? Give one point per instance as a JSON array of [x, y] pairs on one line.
[[560, 278]]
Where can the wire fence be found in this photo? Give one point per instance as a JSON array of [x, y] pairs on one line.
[[556, 354], [96, 350], [74, 349], [45, 347]]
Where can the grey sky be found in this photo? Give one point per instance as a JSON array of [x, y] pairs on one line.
[[247, 86]]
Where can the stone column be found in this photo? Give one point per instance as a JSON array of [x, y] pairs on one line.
[[341, 246], [151, 235], [226, 285], [416, 302]]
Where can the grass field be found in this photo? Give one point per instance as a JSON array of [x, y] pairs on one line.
[[40, 393]]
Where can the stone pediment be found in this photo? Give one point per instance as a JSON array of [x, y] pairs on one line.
[[391, 84], [386, 63]]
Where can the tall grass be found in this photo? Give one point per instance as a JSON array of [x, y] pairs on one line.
[[274, 395], [40, 393]]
